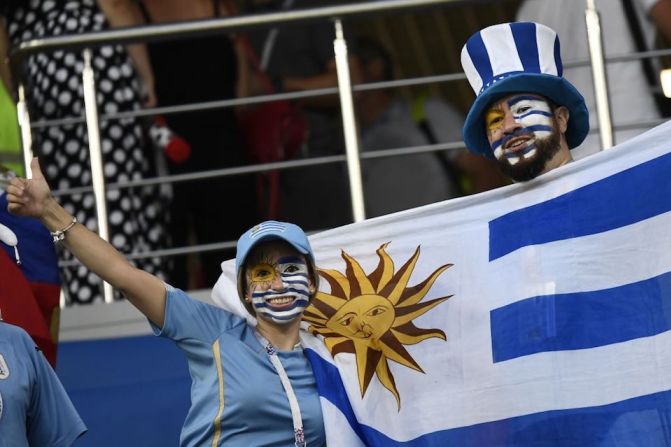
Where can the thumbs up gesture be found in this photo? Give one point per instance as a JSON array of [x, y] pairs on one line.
[[29, 197]]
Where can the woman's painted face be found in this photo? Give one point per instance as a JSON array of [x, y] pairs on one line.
[[516, 124], [278, 283]]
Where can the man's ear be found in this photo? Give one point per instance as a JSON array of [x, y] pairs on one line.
[[562, 116]]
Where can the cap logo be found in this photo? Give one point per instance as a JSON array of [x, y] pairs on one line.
[[266, 227]]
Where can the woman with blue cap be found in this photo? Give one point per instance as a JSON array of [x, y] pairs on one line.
[[251, 385]]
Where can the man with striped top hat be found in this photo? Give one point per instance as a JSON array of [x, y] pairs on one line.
[[526, 115]]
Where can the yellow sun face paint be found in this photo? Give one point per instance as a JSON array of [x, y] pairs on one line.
[[262, 273]]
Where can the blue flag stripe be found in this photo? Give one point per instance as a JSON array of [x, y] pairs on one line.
[[625, 198], [644, 420], [331, 387], [581, 320]]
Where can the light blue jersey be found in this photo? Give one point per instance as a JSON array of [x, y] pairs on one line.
[[35, 411], [237, 398]]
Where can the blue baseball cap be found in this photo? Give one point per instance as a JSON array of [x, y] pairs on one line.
[[521, 57], [268, 231]]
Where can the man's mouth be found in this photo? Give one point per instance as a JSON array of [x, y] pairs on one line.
[[518, 144]]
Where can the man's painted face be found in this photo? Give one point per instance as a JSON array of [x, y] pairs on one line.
[[523, 135], [278, 283]]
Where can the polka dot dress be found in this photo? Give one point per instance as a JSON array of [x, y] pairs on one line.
[[54, 89]]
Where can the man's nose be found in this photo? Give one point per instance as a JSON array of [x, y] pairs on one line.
[[510, 124]]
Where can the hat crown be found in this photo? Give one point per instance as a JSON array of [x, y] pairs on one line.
[[499, 51]]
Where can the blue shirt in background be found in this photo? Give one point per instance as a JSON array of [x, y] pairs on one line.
[[35, 411]]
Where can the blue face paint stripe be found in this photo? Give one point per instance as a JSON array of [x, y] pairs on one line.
[[533, 112], [497, 143], [538, 127], [277, 292], [297, 282], [515, 99], [291, 260], [518, 153]]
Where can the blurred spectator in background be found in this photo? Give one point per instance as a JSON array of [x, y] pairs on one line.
[[54, 91], [189, 71], [301, 58], [390, 121], [35, 411], [631, 97]]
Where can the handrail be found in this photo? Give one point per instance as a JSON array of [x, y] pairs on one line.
[[258, 99], [199, 28]]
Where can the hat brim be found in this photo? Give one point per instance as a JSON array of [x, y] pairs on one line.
[[555, 88]]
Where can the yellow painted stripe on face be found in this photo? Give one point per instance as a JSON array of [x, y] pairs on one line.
[[220, 377]]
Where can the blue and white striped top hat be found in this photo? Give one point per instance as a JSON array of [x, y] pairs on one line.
[[521, 57]]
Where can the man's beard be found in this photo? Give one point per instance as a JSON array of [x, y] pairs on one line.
[[530, 168]]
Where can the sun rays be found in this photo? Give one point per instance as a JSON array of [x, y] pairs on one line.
[[371, 316]]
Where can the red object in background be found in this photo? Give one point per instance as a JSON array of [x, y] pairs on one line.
[[175, 148], [32, 307]]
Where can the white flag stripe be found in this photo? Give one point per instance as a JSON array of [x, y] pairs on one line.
[[343, 436], [597, 259]]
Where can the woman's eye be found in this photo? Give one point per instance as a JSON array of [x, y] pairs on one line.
[[291, 269], [523, 109], [261, 274]]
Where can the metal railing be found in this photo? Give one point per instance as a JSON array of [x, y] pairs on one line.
[[238, 23]]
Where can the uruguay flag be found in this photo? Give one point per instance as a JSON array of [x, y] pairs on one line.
[[538, 314]]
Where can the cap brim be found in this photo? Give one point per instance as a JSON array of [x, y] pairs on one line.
[[555, 88]]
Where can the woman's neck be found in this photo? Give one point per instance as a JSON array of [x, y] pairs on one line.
[[283, 336]]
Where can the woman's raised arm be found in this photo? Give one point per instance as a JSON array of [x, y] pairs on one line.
[[33, 198]]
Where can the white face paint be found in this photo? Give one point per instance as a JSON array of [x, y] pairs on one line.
[[534, 116], [280, 290]]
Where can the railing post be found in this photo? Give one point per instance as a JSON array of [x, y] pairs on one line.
[[23, 118], [349, 124], [95, 151], [595, 43]]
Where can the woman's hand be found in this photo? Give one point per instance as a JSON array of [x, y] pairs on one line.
[[29, 197]]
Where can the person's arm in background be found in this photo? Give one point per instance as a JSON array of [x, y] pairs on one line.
[[122, 13], [5, 73], [660, 14]]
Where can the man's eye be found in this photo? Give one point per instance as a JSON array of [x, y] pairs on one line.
[[494, 122], [523, 109]]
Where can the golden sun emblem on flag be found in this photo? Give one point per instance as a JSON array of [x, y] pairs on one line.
[[372, 316]]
